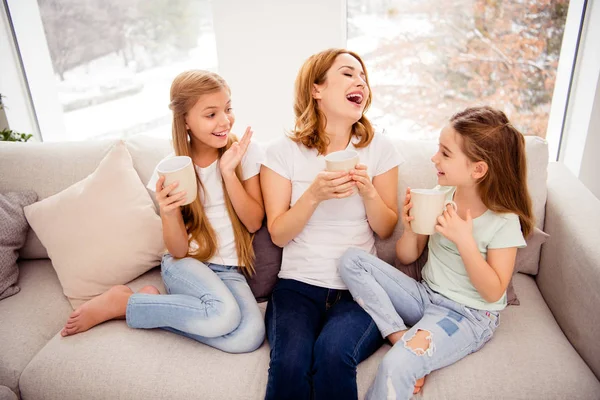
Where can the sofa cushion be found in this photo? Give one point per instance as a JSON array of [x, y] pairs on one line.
[[526, 257], [113, 361], [419, 172], [7, 394], [30, 318], [529, 357], [569, 277], [13, 233], [47, 168], [101, 231], [146, 152], [267, 264]]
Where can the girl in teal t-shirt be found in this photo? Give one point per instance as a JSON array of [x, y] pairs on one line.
[[454, 311]]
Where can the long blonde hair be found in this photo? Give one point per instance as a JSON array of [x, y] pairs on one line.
[[310, 121], [186, 89], [489, 136]]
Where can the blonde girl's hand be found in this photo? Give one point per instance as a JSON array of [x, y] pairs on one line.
[[332, 185], [168, 204], [233, 156], [406, 218], [363, 182], [453, 227]]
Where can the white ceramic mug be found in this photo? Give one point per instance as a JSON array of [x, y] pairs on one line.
[[343, 160], [180, 169], [428, 205]]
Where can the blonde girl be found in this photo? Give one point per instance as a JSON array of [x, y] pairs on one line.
[[209, 241]]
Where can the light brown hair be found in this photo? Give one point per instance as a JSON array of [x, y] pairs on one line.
[[186, 89], [489, 136], [310, 121]]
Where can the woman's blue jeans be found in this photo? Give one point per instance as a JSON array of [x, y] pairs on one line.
[[317, 336]]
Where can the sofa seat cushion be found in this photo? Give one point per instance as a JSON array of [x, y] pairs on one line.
[[30, 318], [7, 394], [113, 361], [529, 357]]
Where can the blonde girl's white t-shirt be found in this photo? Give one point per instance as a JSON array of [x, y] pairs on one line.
[[312, 256], [214, 202], [445, 270]]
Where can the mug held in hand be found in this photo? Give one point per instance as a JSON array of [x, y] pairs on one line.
[[428, 205], [179, 169]]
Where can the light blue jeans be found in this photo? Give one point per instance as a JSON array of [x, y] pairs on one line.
[[210, 303], [395, 300]]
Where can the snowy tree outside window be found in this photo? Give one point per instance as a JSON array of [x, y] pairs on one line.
[[114, 61], [429, 59]]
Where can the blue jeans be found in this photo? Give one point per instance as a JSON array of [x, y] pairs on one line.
[[395, 300], [317, 336], [210, 303]]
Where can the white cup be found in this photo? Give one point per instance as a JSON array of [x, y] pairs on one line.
[[427, 206], [343, 160], [180, 169]]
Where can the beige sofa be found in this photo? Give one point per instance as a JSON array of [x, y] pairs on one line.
[[546, 348]]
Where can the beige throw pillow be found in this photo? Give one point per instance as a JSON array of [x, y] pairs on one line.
[[100, 232]]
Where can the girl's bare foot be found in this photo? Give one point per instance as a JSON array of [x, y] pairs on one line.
[[109, 305], [149, 290], [419, 385]]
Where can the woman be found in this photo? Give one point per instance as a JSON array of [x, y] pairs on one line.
[[317, 333]]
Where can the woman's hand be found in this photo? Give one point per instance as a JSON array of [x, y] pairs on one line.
[[363, 182], [168, 204], [332, 185], [453, 227], [233, 156], [406, 218]]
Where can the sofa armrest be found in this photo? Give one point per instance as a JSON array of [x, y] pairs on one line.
[[569, 276]]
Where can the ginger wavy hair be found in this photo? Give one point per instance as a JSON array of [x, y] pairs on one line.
[[489, 136], [186, 89], [310, 121]]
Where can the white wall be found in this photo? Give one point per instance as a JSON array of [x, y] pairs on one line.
[[590, 163], [261, 45]]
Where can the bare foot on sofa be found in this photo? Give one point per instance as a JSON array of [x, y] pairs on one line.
[[109, 305], [419, 385], [149, 290]]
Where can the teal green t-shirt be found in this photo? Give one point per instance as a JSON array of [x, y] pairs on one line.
[[445, 270]]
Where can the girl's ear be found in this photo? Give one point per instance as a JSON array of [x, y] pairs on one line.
[[316, 93], [480, 170]]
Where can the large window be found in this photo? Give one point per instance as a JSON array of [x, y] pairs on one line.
[[114, 61], [429, 59]]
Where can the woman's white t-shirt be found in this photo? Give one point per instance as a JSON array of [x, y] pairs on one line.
[[214, 202], [337, 224]]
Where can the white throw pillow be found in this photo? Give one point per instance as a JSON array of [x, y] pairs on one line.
[[100, 232]]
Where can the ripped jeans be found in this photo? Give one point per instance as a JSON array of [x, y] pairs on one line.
[[395, 300]]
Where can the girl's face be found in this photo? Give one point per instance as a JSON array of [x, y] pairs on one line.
[[344, 93], [210, 120], [453, 166]]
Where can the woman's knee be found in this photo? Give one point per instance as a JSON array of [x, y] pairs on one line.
[[333, 354]]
